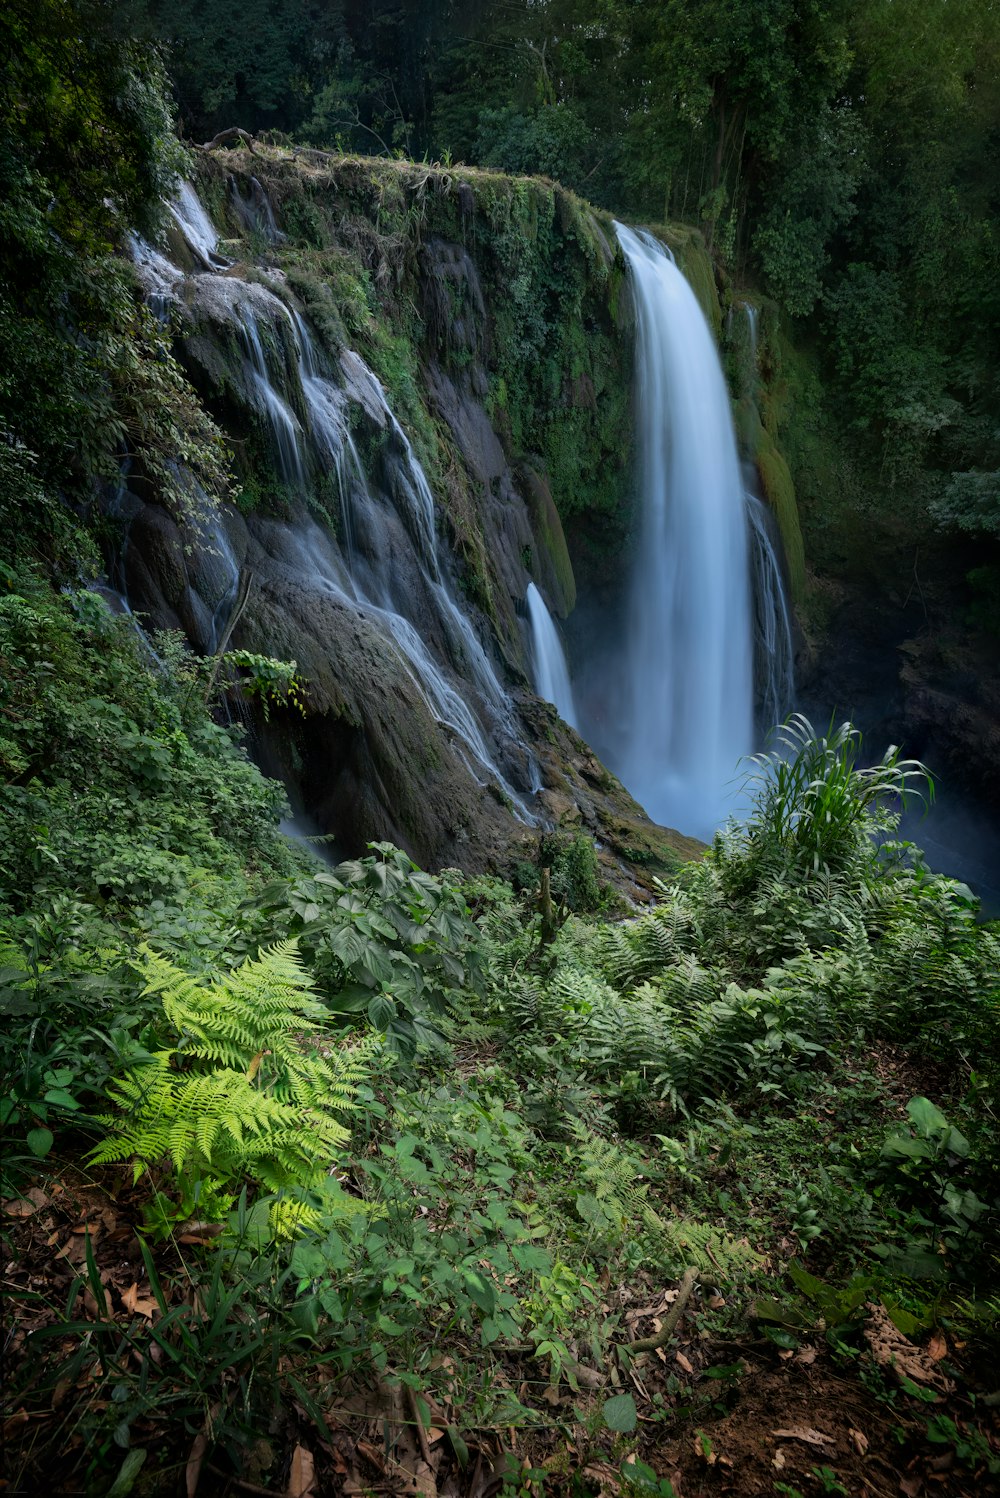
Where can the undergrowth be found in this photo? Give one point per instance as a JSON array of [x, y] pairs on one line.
[[406, 1128]]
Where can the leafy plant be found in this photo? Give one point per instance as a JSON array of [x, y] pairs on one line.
[[244, 1091], [929, 1163], [383, 940], [814, 804]]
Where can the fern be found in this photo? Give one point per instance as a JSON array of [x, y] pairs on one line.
[[245, 1091], [684, 1244], [612, 1195], [635, 951]]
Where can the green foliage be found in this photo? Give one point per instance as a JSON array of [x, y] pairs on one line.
[[243, 1090], [814, 808], [211, 1360], [929, 1162], [86, 152], [120, 787], [271, 681], [383, 940]]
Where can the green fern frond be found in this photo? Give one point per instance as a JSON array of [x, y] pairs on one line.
[[246, 1093], [684, 1244]]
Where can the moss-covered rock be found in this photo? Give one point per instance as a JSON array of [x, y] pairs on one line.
[[550, 563]]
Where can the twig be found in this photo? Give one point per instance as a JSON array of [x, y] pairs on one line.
[[242, 599], [649, 1344]]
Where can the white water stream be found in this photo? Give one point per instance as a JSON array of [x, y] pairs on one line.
[[774, 654], [689, 657], [450, 666], [195, 225], [549, 659]]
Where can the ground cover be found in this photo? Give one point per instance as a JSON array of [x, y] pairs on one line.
[[698, 1200]]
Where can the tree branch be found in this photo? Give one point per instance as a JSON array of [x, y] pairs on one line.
[[234, 130], [649, 1344]]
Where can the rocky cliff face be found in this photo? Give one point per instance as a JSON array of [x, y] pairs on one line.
[[420, 375]]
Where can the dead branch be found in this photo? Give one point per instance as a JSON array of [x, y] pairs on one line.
[[689, 1279], [234, 130]]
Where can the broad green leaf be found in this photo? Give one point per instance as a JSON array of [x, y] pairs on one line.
[[810, 1286], [40, 1142], [925, 1117], [481, 1292], [620, 1413]]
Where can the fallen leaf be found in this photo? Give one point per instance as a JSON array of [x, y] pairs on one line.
[[891, 1349], [911, 1487], [139, 1305], [937, 1348], [60, 1391], [192, 1472], [778, 1460], [20, 1417], [302, 1477], [684, 1362], [371, 1454], [33, 1200], [803, 1433], [858, 1440], [806, 1356], [91, 1305]]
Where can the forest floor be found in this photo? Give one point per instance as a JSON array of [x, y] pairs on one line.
[[722, 1408]]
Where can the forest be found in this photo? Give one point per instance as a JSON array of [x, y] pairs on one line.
[[389, 1104]]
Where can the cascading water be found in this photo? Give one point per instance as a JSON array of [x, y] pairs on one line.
[[551, 671], [414, 501], [751, 312], [374, 584], [774, 654], [284, 427], [195, 225], [689, 659]]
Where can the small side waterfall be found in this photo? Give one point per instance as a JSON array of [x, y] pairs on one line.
[[751, 312], [284, 427], [551, 671], [688, 659], [196, 227], [774, 652]]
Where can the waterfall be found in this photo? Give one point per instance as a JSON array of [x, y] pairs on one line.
[[158, 275], [284, 427], [388, 566], [551, 671], [411, 493], [196, 227], [774, 654], [751, 312], [372, 583], [688, 666]]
